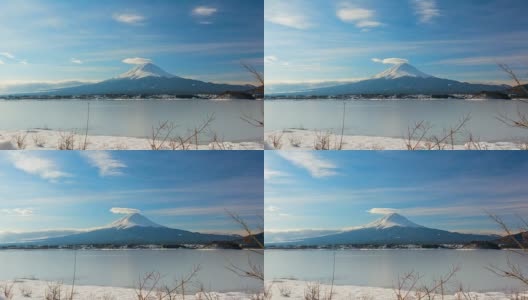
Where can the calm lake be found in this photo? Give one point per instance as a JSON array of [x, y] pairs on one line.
[[122, 268], [391, 118], [133, 118], [381, 268]]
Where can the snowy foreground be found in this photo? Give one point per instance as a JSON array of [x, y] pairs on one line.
[[292, 290], [35, 289], [53, 140], [299, 139]]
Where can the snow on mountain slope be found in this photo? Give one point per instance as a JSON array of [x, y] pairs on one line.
[[133, 220], [402, 70], [145, 70], [392, 220]]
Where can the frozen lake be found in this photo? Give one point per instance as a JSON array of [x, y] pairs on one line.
[[391, 118], [381, 268], [122, 268], [134, 118]]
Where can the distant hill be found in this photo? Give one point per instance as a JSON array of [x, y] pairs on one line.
[[148, 79], [134, 229], [393, 229], [513, 241], [402, 79]]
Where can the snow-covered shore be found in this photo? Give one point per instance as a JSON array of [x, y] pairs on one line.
[[293, 289], [36, 289], [300, 139], [39, 139]]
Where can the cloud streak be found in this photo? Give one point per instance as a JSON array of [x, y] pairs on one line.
[[130, 19], [391, 61], [286, 14], [382, 211], [204, 11], [124, 211], [36, 165], [107, 165], [362, 18], [426, 10], [136, 61], [317, 166]]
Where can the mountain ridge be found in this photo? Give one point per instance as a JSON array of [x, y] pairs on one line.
[[132, 229], [402, 79], [391, 229]]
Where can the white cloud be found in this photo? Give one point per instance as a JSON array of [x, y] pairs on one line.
[[124, 211], [76, 61], [204, 11], [7, 55], [20, 212], [103, 160], [34, 164], [269, 174], [1, 62], [311, 161], [382, 211], [286, 14], [136, 61], [24, 61], [426, 10], [391, 61], [131, 19], [362, 18], [270, 59]]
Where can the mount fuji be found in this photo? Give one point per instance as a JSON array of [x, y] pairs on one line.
[[404, 79], [393, 229], [149, 79], [133, 229]]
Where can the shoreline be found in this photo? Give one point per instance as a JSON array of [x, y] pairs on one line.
[[304, 139], [38, 289], [42, 139], [297, 289]]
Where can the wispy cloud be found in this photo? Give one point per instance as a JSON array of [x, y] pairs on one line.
[[242, 210], [76, 61], [204, 11], [136, 61], [7, 55], [286, 14], [130, 19], [382, 211], [316, 165], [103, 160], [34, 164], [426, 10], [270, 174], [391, 61], [124, 211], [19, 212], [1, 62], [362, 18]]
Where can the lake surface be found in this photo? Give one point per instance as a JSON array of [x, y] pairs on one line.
[[391, 118], [122, 268], [133, 118], [381, 268]]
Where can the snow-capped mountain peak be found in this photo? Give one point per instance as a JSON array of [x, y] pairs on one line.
[[145, 70], [392, 220], [133, 220], [402, 70]]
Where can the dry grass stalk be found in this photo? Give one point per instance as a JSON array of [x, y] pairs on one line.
[[6, 290], [20, 140], [161, 137], [418, 137], [276, 140], [39, 141]]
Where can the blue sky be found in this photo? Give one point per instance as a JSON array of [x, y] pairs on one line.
[[184, 190], [49, 40], [445, 190], [327, 40]]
